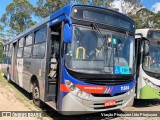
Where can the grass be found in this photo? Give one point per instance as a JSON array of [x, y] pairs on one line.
[[19, 93]]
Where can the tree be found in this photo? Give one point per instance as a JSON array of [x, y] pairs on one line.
[[1, 32], [46, 7], [146, 19], [130, 6], [18, 16]]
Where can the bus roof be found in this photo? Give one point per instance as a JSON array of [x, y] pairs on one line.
[[144, 32], [66, 10]]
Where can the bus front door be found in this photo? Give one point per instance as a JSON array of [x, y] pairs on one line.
[[52, 82]]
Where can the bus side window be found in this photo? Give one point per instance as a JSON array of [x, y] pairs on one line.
[[20, 48], [28, 46], [40, 43]]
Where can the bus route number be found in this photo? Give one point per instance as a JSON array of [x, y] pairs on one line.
[[125, 88]]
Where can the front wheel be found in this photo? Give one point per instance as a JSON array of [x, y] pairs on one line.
[[36, 95]]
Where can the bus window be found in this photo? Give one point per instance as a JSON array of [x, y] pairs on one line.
[[27, 51], [21, 42], [10, 48], [28, 40], [28, 46], [19, 53], [6, 48], [39, 50], [41, 35]]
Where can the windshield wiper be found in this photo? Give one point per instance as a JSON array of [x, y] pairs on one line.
[[117, 53], [105, 43], [95, 27]]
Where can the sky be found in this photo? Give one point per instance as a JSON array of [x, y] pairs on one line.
[[4, 3], [153, 5]]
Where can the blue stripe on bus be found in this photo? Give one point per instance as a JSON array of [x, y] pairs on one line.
[[115, 89]]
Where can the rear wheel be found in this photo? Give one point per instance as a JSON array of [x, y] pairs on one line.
[[8, 77], [36, 95]]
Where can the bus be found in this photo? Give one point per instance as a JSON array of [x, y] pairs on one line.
[[81, 58], [148, 63]]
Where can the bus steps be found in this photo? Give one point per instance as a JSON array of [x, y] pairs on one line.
[[50, 97], [51, 104], [52, 81]]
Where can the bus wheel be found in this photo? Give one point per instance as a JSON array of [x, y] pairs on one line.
[[8, 78], [36, 94]]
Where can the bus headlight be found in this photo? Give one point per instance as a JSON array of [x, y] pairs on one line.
[[79, 93], [152, 85], [87, 95], [76, 91], [72, 87]]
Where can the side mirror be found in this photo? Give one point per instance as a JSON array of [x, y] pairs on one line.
[[67, 33], [146, 48]]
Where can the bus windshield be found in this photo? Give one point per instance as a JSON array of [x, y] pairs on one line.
[[154, 35], [90, 52], [151, 61]]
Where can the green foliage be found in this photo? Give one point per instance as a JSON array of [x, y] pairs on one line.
[[18, 15], [1, 50], [46, 7], [146, 19]]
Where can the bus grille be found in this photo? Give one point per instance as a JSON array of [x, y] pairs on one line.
[[106, 95], [102, 79], [106, 82]]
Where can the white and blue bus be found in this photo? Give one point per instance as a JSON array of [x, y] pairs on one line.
[[148, 63], [81, 58]]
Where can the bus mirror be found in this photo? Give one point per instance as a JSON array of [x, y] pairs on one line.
[[67, 33], [146, 48]]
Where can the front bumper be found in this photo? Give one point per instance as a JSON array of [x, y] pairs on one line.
[[73, 105]]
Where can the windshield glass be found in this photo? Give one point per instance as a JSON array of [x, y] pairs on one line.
[[90, 52], [154, 35], [151, 61]]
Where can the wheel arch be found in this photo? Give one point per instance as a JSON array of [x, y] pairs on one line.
[[32, 81]]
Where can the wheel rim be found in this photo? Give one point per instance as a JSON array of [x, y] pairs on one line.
[[7, 76], [36, 93]]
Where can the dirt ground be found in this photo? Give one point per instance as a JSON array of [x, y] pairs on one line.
[[14, 98]]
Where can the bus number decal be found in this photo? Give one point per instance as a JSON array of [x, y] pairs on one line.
[[124, 87]]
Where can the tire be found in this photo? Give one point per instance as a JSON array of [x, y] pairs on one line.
[[8, 77], [36, 95]]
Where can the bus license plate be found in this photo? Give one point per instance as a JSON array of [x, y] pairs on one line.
[[110, 103]]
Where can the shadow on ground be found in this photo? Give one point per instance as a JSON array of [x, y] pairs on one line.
[[48, 111], [94, 116], [146, 103], [24, 92]]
